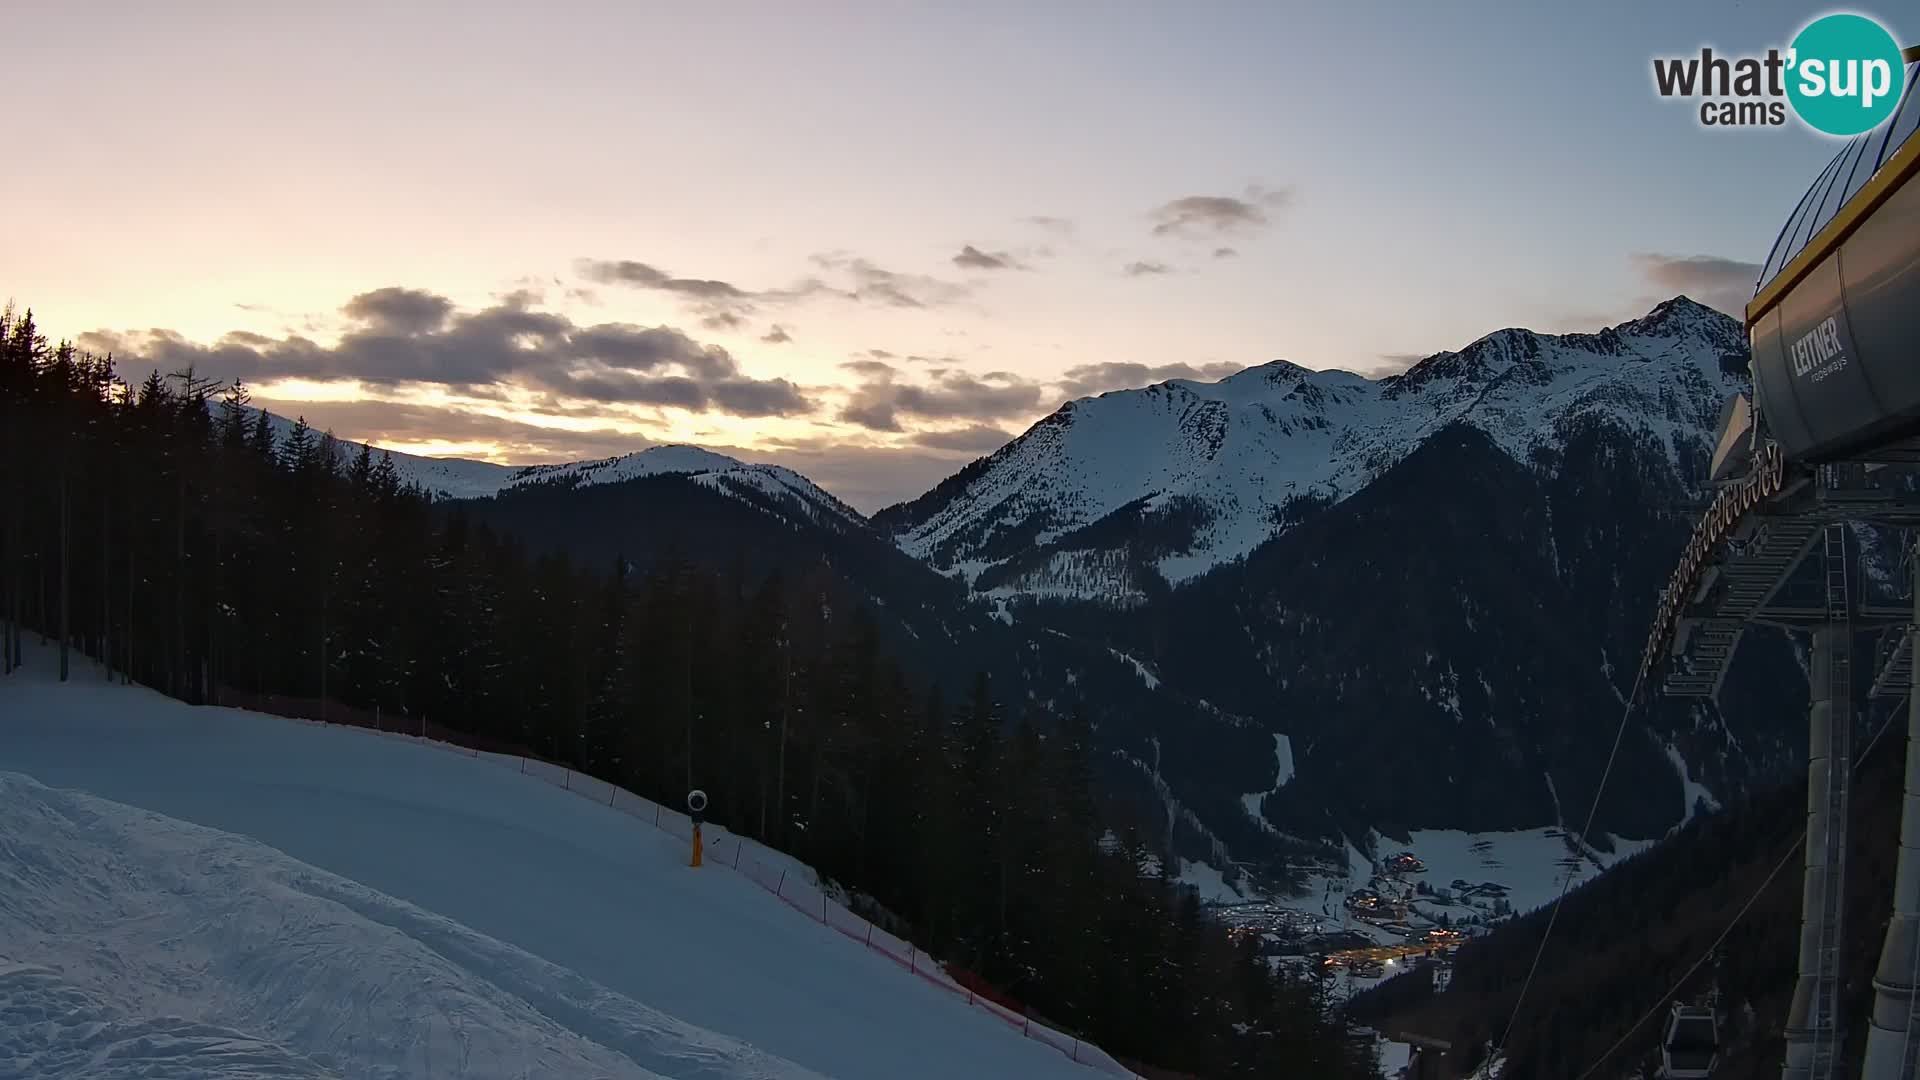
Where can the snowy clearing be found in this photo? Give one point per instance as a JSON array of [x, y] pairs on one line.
[[502, 899], [1531, 864]]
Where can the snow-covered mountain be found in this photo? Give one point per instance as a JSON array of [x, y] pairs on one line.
[[781, 487], [443, 478], [1429, 588], [765, 485], [1179, 477]]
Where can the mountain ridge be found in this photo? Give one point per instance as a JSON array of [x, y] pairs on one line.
[[1229, 457], [1205, 605]]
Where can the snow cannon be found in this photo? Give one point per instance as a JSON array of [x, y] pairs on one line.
[[696, 806]]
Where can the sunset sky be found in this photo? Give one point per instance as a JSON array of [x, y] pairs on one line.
[[870, 241]]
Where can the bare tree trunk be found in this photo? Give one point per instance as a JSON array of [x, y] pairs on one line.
[[786, 707], [106, 582], [176, 656], [9, 555], [126, 673], [66, 546], [686, 696]]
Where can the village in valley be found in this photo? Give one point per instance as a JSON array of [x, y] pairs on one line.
[[1372, 922]]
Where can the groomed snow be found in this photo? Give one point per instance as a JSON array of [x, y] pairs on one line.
[[538, 904], [201, 953]]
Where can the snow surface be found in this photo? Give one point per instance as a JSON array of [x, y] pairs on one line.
[[1210, 883], [440, 895], [1696, 793], [462, 478], [444, 478], [1237, 451], [716, 471], [1282, 761], [198, 952], [1140, 669], [1253, 802], [1394, 1057], [1532, 864]]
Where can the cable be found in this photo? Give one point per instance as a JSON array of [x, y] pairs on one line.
[[1738, 915], [1585, 830]]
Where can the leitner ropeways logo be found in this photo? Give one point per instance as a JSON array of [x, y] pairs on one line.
[[1843, 75]]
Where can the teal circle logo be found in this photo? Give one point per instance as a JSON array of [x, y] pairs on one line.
[[1844, 74]]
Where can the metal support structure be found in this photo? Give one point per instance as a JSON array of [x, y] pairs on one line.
[[1813, 1029], [1890, 1049]]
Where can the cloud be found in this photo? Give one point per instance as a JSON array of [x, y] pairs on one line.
[[386, 423], [1059, 225], [777, 335], [881, 399], [972, 258], [973, 439], [404, 311], [1721, 283], [1086, 380], [723, 305], [1142, 269], [1225, 252], [1218, 213], [1392, 364], [641, 275], [874, 284], [409, 336], [869, 368]]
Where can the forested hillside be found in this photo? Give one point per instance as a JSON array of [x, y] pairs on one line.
[[1621, 943], [165, 530]]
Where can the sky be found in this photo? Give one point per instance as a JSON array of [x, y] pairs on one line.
[[867, 240]]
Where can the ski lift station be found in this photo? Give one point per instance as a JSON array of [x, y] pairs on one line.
[[1829, 440]]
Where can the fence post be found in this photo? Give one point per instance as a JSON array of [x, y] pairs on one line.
[[656, 815], [913, 959], [782, 885], [566, 780], [523, 766], [737, 845], [611, 793], [1076, 1051], [823, 906], [869, 935]]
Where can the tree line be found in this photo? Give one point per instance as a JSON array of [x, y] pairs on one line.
[[166, 534]]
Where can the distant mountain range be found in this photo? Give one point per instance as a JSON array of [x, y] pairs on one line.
[[1302, 607]]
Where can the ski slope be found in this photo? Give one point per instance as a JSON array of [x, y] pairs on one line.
[[372, 907], [119, 925]]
